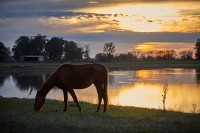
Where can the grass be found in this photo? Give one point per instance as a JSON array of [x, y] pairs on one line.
[[17, 115]]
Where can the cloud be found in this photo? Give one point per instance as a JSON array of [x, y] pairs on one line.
[[76, 20]]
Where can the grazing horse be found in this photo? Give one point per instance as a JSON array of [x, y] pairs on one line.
[[69, 77]]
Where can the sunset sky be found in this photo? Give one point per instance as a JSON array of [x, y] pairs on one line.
[[140, 24]]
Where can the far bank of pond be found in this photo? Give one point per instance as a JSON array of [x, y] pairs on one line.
[[116, 65]]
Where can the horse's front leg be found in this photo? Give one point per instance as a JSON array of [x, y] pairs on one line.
[[71, 91], [65, 100]]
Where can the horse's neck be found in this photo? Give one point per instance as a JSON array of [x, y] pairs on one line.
[[48, 85]]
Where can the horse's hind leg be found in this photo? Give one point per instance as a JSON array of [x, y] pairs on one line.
[[100, 95], [65, 99], [71, 91]]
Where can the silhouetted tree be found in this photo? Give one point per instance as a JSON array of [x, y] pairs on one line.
[[37, 44], [150, 55], [72, 51], [54, 48], [197, 47], [4, 52], [25, 46], [136, 53], [169, 54], [87, 52], [109, 50], [100, 57], [186, 55], [22, 47], [159, 54], [124, 57]]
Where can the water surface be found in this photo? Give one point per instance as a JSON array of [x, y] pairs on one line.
[[139, 88]]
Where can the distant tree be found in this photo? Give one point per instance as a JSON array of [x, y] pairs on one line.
[[150, 55], [124, 57], [72, 51], [4, 53], [87, 52], [197, 48], [109, 50], [159, 54], [169, 54], [22, 47], [186, 55], [100, 57], [143, 56], [37, 44], [54, 48], [136, 53]]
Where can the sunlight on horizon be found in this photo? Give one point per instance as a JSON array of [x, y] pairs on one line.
[[147, 46]]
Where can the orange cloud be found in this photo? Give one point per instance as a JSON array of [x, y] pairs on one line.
[[148, 46]]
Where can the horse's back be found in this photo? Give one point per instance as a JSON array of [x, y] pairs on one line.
[[80, 74], [84, 67]]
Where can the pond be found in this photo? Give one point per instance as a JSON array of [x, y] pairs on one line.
[[138, 88]]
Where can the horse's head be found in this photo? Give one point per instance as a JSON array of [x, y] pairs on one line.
[[39, 101]]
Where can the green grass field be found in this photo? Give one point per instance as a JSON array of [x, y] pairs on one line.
[[17, 115]]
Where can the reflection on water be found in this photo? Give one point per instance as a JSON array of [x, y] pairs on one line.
[[24, 81], [3, 77], [140, 88], [198, 76]]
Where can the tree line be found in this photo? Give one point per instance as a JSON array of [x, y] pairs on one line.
[[54, 49], [134, 54], [58, 49]]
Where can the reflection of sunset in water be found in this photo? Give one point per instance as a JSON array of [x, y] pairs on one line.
[[140, 96], [179, 97], [139, 88]]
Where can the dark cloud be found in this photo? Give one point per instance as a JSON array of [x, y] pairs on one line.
[[38, 8], [138, 37]]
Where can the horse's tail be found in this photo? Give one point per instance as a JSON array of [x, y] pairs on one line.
[[105, 86]]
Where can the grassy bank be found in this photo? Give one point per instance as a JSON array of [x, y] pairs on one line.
[[17, 115], [122, 65]]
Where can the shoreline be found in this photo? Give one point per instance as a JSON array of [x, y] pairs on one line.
[[132, 65]]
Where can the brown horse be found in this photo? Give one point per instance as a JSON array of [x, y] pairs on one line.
[[68, 77]]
